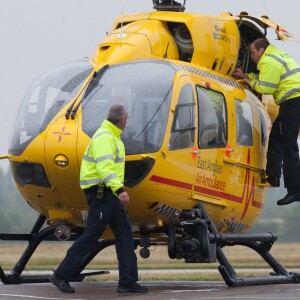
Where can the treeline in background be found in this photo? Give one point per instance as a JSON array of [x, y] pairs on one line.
[[16, 216]]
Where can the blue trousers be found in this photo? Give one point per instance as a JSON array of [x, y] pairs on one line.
[[283, 150], [107, 211]]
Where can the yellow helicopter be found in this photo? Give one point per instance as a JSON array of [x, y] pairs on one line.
[[196, 138]]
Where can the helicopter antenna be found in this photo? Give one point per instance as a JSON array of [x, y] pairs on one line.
[[122, 34], [168, 5]]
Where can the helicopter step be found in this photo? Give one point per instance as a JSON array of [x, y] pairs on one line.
[[201, 242]]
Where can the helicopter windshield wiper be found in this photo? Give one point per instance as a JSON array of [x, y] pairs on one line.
[[67, 115], [92, 83]]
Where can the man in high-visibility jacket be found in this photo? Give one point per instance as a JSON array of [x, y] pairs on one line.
[[279, 75], [102, 179]]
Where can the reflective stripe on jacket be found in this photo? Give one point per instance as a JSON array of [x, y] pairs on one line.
[[104, 159], [279, 75]]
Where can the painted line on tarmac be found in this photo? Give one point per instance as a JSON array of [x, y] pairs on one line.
[[36, 297]]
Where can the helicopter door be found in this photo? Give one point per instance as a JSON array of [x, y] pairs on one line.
[[176, 170], [264, 22], [211, 173], [248, 157]]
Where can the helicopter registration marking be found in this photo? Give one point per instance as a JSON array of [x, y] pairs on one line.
[[221, 34]]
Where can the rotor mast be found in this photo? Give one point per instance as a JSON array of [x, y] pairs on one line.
[[168, 5]]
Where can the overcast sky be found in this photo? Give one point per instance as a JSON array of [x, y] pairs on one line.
[[37, 35]]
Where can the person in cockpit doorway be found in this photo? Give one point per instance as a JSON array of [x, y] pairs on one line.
[[102, 180], [279, 75]]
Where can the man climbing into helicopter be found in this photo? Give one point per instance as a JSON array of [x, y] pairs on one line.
[[102, 179], [279, 75]]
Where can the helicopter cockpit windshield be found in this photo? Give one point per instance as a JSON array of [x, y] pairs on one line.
[[44, 99], [144, 88]]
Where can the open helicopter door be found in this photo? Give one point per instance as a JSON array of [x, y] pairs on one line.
[[264, 22]]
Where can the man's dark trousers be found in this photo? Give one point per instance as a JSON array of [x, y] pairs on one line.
[[102, 212], [283, 150]]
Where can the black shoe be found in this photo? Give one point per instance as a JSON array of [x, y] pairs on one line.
[[62, 285], [132, 288], [289, 198], [272, 180]]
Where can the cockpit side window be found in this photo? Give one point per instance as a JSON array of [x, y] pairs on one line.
[[44, 99], [212, 118], [183, 129], [244, 123]]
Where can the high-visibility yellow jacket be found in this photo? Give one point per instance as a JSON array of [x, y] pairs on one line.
[[104, 159], [279, 75]]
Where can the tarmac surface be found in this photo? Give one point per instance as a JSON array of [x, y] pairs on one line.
[[158, 290]]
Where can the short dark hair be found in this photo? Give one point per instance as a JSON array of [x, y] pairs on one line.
[[116, 114], [261, 43]]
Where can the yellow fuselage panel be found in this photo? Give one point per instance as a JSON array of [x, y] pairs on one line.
[[215, 39], [140, 39]]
